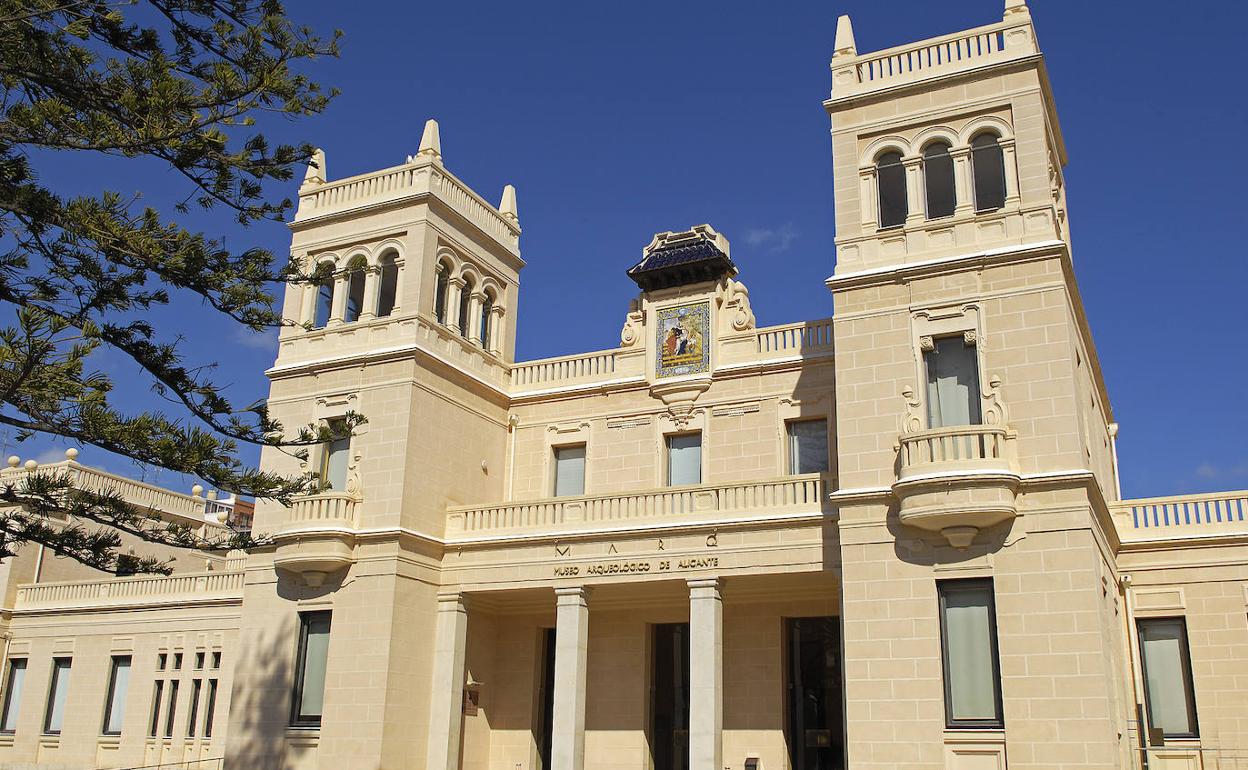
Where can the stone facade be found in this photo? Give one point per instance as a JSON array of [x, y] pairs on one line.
[[801, 602]]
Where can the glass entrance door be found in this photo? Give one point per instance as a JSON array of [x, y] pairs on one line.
[[669, 697], [816, 713]]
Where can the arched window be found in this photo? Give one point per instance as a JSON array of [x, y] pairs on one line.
[[890, 177], [988, 165], [386, 292], [465, 302], [355, 290], [938, 179], [324, 302], [487, 305], [440, 291]]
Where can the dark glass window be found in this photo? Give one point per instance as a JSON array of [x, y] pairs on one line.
[[1168, 687], [891, 179], [808, 446], [324, 303], [153, 724], [988, 165], [210, 710], [486, 306], [197, 685], [58, 691], [465, 307], [172, 712], [387, 292], [952, 383], [938, 178], [118, 686], [439, 294], [13, 695], [313, 653], [968, 642], [355, 295]]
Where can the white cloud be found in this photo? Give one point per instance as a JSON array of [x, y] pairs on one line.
[[265, 340], [1211, 471], [774, 240]]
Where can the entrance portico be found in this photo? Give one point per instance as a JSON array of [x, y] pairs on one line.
[[658, 675]]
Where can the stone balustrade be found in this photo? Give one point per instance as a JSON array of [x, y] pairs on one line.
[[131, 591], [961, 447], [424, 176], [1010, 39], [328, 509], [789, 494], [565, 371], [794, 339], [1223, 514], [318, 537], [136, 493]]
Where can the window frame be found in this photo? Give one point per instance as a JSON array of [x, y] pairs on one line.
[[54, 685], [327, 451], [975, 403], [667, 464], [197, 686], [158, 698], [998, 156], [110, 695], [387, 284], [171, 710], [297, 718], [210, 708], [356, 291], [789, 444], [323, 297], [554, 471], [945, 157], [943, 587], [12, 706], [1189, 679], [879, 166]]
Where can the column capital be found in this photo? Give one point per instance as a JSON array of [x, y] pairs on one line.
[[451, 601], [571, 595], [703, 583]]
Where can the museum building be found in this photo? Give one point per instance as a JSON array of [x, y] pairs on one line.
[[889, 538]]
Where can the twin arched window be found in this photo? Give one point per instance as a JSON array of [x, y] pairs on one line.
[[387, 293], [324, 303], [355, 282], [939, 180], [355, 290], [467, 312]]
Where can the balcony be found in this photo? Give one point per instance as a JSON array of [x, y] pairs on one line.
[[1207, 517], [131, 592], [707, 502], [318, 537]]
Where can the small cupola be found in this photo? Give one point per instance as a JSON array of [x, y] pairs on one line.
[[697, 255]]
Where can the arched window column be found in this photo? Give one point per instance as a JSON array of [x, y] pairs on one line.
[[867, 208], [474, 316], [454, 296], [962, 180], [1011, 171], [339, 307], [372, 284], [496, 329], [914, 189], [307, 313], [398, 281]]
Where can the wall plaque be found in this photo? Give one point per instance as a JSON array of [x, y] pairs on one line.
[[684, 340]]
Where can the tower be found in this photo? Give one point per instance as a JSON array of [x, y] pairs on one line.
[[410, 326], [973, 424]]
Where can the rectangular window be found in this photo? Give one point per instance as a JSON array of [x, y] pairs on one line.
[[334, 458], [968, 638], [162, 660], [177, 661], [216, 660], [684, 459], [808, 446], [569, 470], [13, 695], [310, 669], [58, 690], [952, 383], [211, 709], [197, 686], [153, 725], [172, 712], [1168, 687], [118, 686], [199, 661]]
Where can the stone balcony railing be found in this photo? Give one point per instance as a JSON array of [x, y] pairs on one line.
[[145, 590], [960, 448], [1183, 517], [190, 508], [1012, 38], [318, 536], [791, 494]]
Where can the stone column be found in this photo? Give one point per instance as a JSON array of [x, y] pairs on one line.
[[372, 283], [446, 711], [338, 308], [962, 180], [1011, 171], [474, 317], [567, 751], [398, 285], [916, 212], [869, 199], [307, 312], [454, 292], [706, 675], [496, 329]]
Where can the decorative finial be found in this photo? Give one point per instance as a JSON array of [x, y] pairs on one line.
[[197, 490], [1013, 7], [14, 461], [316, 168], [508, 207], [31, 465], [845, 45], [71, 454], [430, 142], [212, 494]]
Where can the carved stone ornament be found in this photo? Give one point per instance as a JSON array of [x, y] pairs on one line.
[[734, 305], [927, 344], [354, 487], [634, 324], [970, 338], [912, 418], [995, 413]]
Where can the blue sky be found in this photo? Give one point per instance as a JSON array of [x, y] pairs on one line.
[[618, 120]]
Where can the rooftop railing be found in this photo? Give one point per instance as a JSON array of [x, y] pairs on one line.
[[128, 591], [789, 493], [1182, 516], [798, 338], [564, 370]]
